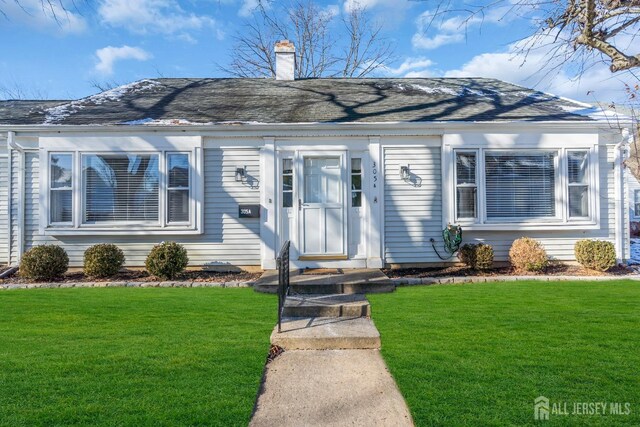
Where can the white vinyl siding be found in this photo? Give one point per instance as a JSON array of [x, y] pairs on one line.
[[4, 206], [413, 208], [227, 240]]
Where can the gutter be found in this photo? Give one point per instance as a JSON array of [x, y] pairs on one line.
[[620, 197], [13, 145], [437, 126]]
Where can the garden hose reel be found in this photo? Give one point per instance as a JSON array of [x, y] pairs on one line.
[[452, 238]]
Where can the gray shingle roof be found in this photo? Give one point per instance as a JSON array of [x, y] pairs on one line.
[[197, 101]]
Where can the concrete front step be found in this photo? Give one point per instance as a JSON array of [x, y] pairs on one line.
[[326, 333], [331, 305], [346, 288], [351, 281]]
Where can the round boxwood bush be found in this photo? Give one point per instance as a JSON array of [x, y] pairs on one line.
[[478, 256], [484, 257], [44, 262], [103, 260], [595, 254], [166, 260], [467, 255], [527, 254]]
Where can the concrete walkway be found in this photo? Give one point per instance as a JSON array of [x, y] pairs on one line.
[[330, 388]]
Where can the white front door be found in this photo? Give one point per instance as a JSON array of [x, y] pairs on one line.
[[321, 206]]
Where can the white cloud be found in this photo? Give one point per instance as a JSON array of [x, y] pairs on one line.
[[108, 56], [247, 8], [411, 67], [532, 69], [55, 16], [450, 30], [152, 16]]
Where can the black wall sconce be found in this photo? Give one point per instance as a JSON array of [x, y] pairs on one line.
[[405, 174], [241, 173]]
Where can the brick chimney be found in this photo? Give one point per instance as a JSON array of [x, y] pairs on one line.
[[285, 60]]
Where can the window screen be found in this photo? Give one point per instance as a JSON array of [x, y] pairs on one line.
[[520, 185], [120, 188], [466, 185], [178, 199], [61, 189], [578, 165]]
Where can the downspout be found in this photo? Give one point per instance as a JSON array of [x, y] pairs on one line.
[[13, 145], [620, 198]]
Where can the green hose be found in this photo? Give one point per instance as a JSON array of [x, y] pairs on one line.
[[452, 237]]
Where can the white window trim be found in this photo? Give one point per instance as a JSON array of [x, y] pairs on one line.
[[561, 220], [161, 227], [633, 205], [456, 185]]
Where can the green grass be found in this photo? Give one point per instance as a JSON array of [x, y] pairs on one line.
[[479, 354], [132, 356]]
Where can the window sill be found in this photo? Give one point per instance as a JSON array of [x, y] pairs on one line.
[[120, 231], [525, 226]]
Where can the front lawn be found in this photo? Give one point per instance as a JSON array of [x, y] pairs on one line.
[[479, 354], [132, 356]]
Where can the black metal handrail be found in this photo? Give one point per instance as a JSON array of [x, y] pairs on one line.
[[282, 264]]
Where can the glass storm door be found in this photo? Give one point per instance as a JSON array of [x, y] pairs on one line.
[[321, 207]]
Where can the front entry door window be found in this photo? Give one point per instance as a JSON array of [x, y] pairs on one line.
[[322, 206]]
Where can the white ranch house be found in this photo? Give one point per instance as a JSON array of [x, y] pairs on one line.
[[354, 172]]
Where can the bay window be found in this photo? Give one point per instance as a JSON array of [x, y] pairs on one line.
[[524, 187], [105, 191]]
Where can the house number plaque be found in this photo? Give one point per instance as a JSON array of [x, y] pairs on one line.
[[249, 211]]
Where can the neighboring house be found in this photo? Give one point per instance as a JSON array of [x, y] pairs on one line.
[[355, 172]]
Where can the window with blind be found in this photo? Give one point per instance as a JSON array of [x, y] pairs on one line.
[[61, 188], [466, 185], [578, 173], [178, 188], [636, 203], [520, 186], [120, 188], [147, 191]]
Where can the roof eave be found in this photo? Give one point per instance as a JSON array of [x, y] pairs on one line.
[[242, 126]]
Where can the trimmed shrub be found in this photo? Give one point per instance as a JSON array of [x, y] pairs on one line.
[[595, 254], [484, 257], [467, 255], [527, 254], [103, 260], [44, 262], [478, 257], [166, 260]]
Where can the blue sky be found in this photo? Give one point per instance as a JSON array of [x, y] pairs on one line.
[[126, 40]]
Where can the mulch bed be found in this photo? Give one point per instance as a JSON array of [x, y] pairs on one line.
[[462, 271], [142, 276]]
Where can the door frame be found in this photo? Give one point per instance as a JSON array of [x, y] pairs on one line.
[[298, 193]]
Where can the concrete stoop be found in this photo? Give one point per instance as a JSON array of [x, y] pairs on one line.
[[356, 281], [326, 333], [331, 305]]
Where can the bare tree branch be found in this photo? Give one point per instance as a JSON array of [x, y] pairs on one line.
[[352, 46]]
